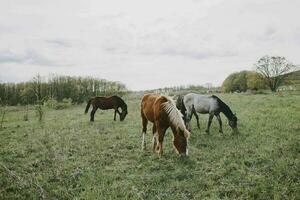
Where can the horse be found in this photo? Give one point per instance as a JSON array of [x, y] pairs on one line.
[[105, 103], [211, 105], [162, 112], [181, 107]]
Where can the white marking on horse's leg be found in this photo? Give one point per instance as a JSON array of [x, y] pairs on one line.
[[143, 141], [154, 141], [160, 150], [187, 145]]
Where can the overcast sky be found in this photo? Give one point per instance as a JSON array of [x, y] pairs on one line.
[[144, 44]]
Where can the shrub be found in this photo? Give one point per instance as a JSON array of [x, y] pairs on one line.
[[39, 112], [51, 103], [54, 104], [243, 81], [66, 103]]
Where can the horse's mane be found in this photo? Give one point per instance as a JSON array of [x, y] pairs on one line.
[[224, 107], [174, 115]]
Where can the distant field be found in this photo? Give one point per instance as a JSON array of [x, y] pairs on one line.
[[67, 157]]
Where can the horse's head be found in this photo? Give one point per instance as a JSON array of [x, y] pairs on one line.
[[233, 122], [123, 113], [180, 141]]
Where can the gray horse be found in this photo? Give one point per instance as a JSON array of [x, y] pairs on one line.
[[212, 105]]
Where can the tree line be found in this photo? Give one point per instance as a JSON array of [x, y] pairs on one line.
[[41, 89]]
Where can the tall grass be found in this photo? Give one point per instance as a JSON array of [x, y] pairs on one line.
[[70, 158]]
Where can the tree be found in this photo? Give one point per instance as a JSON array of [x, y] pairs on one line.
[[242, 81], [274, 70], [235, 82], [255, 81]]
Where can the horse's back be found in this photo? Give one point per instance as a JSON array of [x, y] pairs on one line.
[[107, 102], [202, 103], [151, 105]]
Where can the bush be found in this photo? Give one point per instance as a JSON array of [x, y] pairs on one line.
[[54, 104], [51, 103], [243, 81], [66, 103], [39, 112]]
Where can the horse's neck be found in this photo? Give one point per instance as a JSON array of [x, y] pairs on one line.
[[226, 111]]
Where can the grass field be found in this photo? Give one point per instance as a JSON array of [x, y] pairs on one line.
[[67, 157]]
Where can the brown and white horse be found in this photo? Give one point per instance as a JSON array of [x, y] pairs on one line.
[[162, 112]]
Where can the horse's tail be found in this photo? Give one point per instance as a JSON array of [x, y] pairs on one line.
[[88, 106]]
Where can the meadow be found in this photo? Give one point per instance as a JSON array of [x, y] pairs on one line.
[[67, 157]]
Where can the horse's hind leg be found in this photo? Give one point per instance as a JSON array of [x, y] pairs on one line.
[[144, 123], [188, 119], [211, 116], [220, 123], [93, 114]]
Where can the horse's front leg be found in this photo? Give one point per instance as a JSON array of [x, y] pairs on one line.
[[220, 123], [211, 116], [160, 137], [115, 115], [144, 123], [197, 118], [117, 110], [188, 120], [154, 139]]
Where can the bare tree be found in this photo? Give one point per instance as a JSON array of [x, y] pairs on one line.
[[37, 87], [3, 111], [274, 70]]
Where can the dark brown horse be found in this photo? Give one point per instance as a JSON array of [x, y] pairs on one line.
[[162, 112], [105, 103]]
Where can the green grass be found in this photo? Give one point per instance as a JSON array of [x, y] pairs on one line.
[[67, 157]]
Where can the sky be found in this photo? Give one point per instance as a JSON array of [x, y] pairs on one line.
[[144, 44]]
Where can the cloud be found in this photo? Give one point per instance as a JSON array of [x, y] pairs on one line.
[[198, 55], [29, 57], [59, 42], [145, 44]]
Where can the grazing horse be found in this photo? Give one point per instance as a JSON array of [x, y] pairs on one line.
[[162, 112], [211, 105], [105, 103], [181, 107]]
